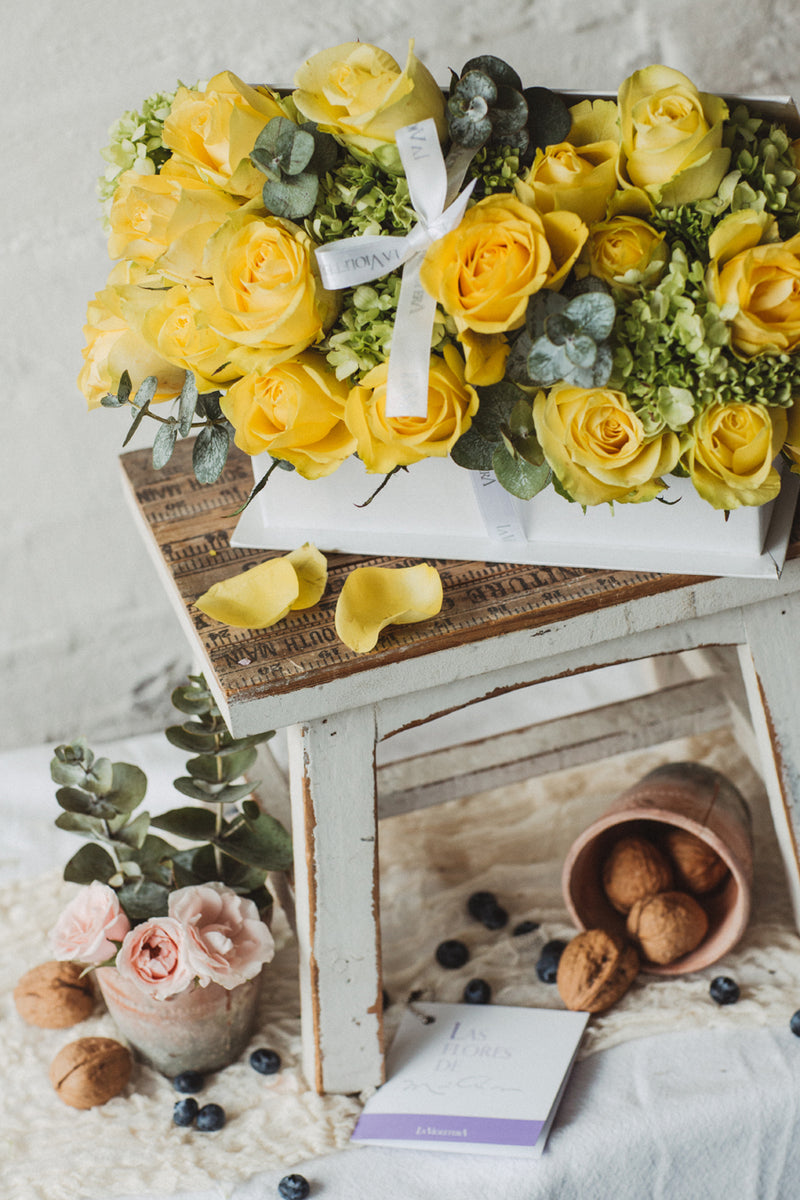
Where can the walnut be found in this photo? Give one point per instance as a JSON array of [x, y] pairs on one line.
[[90, 1071], [54, 996], [595, 970], [667, 926], [698, 868], [635, 868]]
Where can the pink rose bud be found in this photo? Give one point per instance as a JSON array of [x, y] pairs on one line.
[[153, 956], [226, 940], [89, 925]]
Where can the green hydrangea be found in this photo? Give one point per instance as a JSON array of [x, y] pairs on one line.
[[135, 144], [496, 169], [358, 198]]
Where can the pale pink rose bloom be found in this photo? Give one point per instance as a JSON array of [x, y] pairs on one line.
[[226, 942], [153, 956], [89, 925]]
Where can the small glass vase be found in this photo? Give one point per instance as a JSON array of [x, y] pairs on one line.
[[201, 1029]]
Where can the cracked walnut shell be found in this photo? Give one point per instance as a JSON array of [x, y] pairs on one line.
[[635, 868], [90, 1071], [698, 868], [667, 926], [595, 970], [54, 995]]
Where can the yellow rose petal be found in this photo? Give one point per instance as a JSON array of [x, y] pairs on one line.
[[373, 597], [311, 566], [254, 599]]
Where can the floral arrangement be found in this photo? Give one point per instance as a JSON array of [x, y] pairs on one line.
[[612, 286], [169, 918]]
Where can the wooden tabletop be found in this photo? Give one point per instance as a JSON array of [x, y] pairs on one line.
[[190, 525]]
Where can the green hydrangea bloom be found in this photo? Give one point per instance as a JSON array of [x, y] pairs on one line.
[[135, 143]]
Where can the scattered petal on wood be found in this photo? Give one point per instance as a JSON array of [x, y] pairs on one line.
[[374, 597]]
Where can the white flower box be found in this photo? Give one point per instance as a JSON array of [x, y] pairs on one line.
[[431, 511]]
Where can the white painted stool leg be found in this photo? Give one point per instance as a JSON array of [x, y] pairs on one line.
[[334, 824], [770, 664]]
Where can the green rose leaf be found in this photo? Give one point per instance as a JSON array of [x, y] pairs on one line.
[[519, 477], [194, 824], [91, 862], [210, 453]]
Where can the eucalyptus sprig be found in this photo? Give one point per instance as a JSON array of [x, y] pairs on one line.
[[236, 843]]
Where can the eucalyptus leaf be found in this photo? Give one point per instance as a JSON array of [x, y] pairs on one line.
[[520, 420], [66, 772], [210, 453], [136, 422], [252, 739], [188, 787], [496, 68], [293, 197], [509, 115], [134, 832], [222, 768], [154, 856], [262, 842], [124, 388], [558, 327], [549, 119], [473, 452], [496, 405], [187, 403], [234, 792], [519, 477], [194, 741], [76, 801], [547, 364], [99, 777], [326, 149], [144, 900], [194, 824], [593, 313], [76, 822], [541, 306], [601, 371], [91, 862], [191, 700], [164, 444], [145, 392], [581, 350], [128, 787]]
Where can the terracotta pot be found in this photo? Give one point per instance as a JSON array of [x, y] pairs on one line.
[[201, 1029], [692, 797]]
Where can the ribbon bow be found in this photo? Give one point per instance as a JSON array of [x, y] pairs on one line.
[[356, 260]]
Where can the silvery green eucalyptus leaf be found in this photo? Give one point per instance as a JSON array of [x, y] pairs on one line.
[[517, 476], [210, 453], [187, 403], [194, 824], [164, 444], [498, 70], [91, 862], [292, 197], [473, 452], [128, 787], [593, 313]]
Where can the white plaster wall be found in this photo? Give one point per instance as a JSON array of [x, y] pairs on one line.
[[88, 642]]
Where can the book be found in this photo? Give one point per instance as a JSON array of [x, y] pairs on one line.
[[482, 1079]]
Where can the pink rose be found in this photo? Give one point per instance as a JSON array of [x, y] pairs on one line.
[[89, 925], [226, 940], [154, 956]]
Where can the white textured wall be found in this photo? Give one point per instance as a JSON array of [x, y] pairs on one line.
[[87, 640]]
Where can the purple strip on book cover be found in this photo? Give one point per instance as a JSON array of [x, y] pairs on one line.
[[425, 1127]]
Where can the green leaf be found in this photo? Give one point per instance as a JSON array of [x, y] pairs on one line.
[[558, 328], [194, 741], [145, 392], [549, 119], [76, 801], [187, 403], [90, 863], [196, 791], [234, 792], [195, 865], [164, 444], [125, 388], [128, 787], [473, 451], [542, 305], [154, 857], [221, 768], [496, 68], [547, 363], [194, 824], [82, 823], [210, 453], [262, 843], [134, 832], [519, 477], [496, 405], [293, 197], [593, 313], [581, 350], [99, 777], [135, 423], [192, 700], [252, 739], [144, 900]]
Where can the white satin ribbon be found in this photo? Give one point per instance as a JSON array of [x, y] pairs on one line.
[[498, 508], [356, 260]]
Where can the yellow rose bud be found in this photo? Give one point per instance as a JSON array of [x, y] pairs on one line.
[[730, 455], [265, 291], [484, 271], [596, 445], [384, 443], [626, 252], [359, 93], [671, 137], [762, 287], [580, 174], [215, 131], [295, 412]]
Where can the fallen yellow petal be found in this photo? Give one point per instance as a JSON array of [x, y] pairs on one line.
[[253, 599], [311, 566], [373, 597]]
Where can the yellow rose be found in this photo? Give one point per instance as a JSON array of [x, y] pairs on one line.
[[199, 212], [113, 346], [626, 252], [141, 210], [215, 131], [671, 137], [580, 174], [359, 93], [265, 293], [168, 322], [762, 285], [596, 445], [484, 271], [295, 412], [730, 455], [385, 443]]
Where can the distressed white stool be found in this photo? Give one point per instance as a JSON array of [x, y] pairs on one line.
[[502, 628]]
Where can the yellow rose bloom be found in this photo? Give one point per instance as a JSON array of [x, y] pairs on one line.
[[140, 215], [114, 346], [384, 443], [199, 212], [580, 174], [484, 271], [626, 252], [168, 322], [360, 94], [596, 445], [295, 412], [265, 290], [216, 129], [671, 137], [731, 452], [762, 285]]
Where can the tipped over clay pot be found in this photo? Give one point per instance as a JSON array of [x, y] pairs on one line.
[[686, 796]]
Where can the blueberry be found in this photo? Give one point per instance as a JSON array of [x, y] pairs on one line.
[[294, 1187], [188, 1081], [794, 1023], [724, 990], [211, 1117], [266, 1062], [477, 991], [525, 927], [184, 1111], [451, 954], [479, 902], [547, 966]]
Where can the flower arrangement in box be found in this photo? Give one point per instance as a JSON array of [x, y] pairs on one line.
[[588, 294], [174, 934]]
